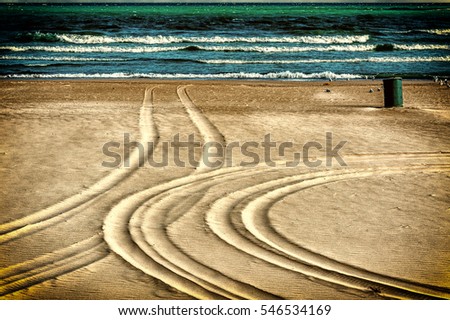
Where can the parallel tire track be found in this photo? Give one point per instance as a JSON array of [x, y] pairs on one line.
[[255, 218], [136, 228], [48, 266], [211, 135], [64, 209], [128, 242], [149, 229], [302, 261], [146, 218], [122, 227], [51, 265]]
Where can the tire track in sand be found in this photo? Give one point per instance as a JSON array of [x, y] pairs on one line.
[[255, 219], [305, 262], [136, 228], [59, 212], [211, 135], [62, 261], [153, 227], [52, 265], [148, 227], [122, 225]]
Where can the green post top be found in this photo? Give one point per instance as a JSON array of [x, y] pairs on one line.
[[393, 92]]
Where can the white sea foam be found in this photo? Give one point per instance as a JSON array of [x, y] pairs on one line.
[[93, 39], [398, 31], [145, 49], [410, 47], [273, 49], [235, 75], [437, 31], [430, 31], [90, 49], [354, 60], [37, 64], [261, 49], [68, 59]]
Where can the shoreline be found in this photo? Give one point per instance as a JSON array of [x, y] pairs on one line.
[[214, 81]]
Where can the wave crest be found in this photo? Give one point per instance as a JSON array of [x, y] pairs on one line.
[[351, 60], [234, 75], [437, 31], [260, 49], [160, 39], [69, 59], [37, 37]]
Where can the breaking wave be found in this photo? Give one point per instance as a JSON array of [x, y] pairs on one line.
[[67, 59], [235, 75], [353, 60], [437, 31], [260, 49], [159, 39]]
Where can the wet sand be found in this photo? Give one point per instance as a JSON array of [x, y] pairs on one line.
[[375, 226]]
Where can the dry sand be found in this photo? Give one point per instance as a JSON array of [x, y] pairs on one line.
[[71, 228]]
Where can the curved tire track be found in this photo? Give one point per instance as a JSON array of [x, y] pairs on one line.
[[140, 221], [122, 225], [149, 229], [219, 220], [255, 219]]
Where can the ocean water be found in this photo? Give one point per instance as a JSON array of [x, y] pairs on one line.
[[216, 41]]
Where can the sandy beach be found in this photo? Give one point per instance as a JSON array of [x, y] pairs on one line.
[[372, 226]]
